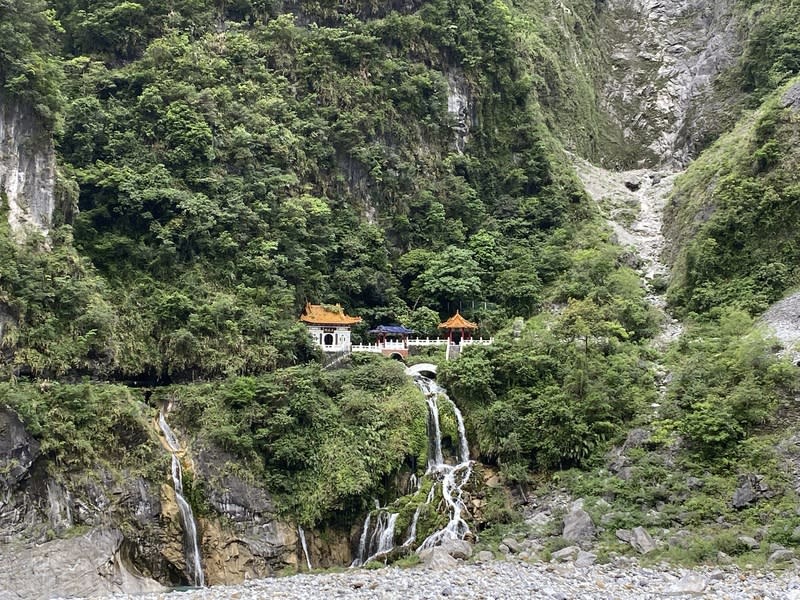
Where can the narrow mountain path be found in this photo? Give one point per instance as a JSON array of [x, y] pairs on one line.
[[633, 204]]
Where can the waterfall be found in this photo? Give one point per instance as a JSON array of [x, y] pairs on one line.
[[379, 540], [435, 457], [453, 477], [191, 547], [302, 535], [377, 536]]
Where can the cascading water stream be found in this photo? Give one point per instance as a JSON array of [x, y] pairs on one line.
[[377, 536], [302, 534], [191, 546]]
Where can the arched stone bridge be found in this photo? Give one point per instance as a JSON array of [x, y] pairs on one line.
[[422, 369]]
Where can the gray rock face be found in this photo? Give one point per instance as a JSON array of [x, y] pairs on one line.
[[18, 449], [578, 526], [88, 565], [791, 99], [663, 58], [27, 168]]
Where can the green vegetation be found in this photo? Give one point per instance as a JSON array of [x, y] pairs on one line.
[[235, 160], [320, 442], [737, 210], [551, 398]]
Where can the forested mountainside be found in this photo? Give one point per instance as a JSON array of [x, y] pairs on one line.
[[180, 178]]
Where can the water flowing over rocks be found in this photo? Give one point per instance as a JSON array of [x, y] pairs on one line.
[[515, 579]]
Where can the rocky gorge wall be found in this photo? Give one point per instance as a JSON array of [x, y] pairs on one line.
[[124, 527], [659, 63]]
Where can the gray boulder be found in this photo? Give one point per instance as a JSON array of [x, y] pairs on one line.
[[578, 526], [485, 556], [566, 554], [691, 584], [512, 544], [641, 540], [780, 556], [585, 559], [458, 548], [748, 542], [437, 559]]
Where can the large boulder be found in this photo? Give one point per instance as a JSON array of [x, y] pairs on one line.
[[641, 540], [437, 559], [578, 526]]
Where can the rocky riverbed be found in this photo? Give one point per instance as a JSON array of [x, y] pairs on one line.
[[510, 579]]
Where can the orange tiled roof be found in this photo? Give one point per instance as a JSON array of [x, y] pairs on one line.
[[457, 322], [317, 314]]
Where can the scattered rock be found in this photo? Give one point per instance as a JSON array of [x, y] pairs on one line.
[[566, 554], [503, 549], [512, 544], [641, 540], [624, 535], [780, 556], [485, 556], [689, 584], [748, 542], [578, 526]]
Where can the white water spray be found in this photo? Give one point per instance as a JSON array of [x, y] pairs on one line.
[[302, 534], [377, 539], [191, 546]]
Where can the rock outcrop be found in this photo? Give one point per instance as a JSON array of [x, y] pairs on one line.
[[27, 169], [93, 564]]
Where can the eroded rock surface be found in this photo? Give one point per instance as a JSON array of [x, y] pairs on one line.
[[86, 566], [663, 58], [27, 169]]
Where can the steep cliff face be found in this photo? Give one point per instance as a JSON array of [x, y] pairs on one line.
[[134, 538], [27, 169], [656, 86]]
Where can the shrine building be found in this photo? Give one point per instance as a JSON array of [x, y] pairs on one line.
[[329, 326]]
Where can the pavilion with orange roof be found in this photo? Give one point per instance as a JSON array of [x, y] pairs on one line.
[[329, 326], [457, 323]]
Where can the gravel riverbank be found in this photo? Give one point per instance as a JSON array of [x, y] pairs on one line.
[[510, 580]]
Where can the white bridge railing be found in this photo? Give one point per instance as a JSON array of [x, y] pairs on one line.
[[379, 347]]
